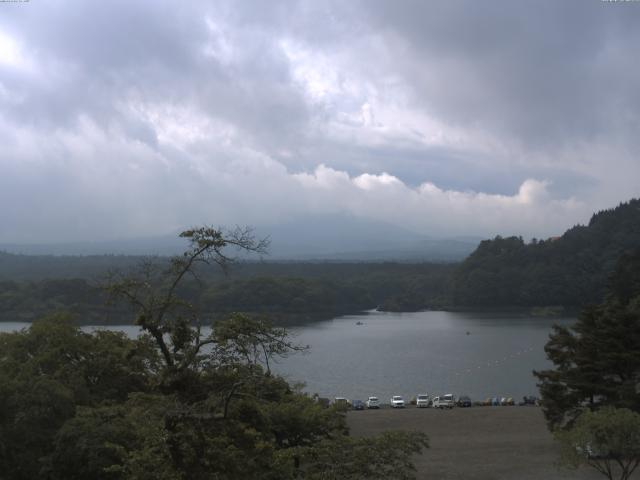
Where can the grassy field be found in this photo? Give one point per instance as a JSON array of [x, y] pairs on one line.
[[479, 443]]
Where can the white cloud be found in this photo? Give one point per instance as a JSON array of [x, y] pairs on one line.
[[367, 181], [99, 184], [254, 114], [11, 53], [531, 211]]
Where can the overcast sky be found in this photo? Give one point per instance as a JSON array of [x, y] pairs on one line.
[[135, 118]]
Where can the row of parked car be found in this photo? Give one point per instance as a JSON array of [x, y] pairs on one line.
[[424, 400], [397, 401]]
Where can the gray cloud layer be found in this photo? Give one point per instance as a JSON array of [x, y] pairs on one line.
[[461, 117]]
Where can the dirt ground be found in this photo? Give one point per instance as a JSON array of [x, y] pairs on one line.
[[478, 443]]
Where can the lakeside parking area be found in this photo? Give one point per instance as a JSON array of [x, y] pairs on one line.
[[478, 443]]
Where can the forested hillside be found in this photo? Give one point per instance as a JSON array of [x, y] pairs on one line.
[[571, 270], [287, 292], [15, 267]]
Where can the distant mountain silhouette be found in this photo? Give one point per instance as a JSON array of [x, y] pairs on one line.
[[328, 237]]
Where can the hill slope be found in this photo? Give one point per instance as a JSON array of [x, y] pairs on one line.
[[571, 270]]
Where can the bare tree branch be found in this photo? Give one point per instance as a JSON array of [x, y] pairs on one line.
[[159, 310]]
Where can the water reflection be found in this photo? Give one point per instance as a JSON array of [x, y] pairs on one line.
[[477, 354]]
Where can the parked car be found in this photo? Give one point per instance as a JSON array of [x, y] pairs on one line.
[[357, 405], [397, 401], [443, 401], [423, 400], [341, 402], [529, 400], [373, 402], [464, 401]]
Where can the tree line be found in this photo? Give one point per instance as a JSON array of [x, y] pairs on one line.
[[568, 271], [324, 291]]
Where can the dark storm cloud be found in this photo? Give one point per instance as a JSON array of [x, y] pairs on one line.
[[90, 54], [132, 118], [97, 56], [546, 72]]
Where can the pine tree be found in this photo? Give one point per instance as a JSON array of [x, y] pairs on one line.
[[597, 360]]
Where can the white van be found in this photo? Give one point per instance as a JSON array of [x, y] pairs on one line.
[[443, 401], [423, 400]]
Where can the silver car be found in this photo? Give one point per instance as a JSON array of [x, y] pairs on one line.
[[397, 401], [373, 402]]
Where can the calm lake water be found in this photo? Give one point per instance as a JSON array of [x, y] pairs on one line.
[[477, 354]]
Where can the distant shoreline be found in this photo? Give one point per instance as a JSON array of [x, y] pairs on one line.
[[294, 320], [533, 311]]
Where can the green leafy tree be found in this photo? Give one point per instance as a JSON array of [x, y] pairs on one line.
[[230, 417], [597, 360], [50, 371], [388, 456], [607, 440], [173, 404], [154, 294], [176, 403]]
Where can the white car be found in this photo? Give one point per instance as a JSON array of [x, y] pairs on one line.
[[397, 401], [423, 400], [443, 401], [373, 402]]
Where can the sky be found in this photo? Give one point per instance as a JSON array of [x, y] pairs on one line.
[[129, 118]]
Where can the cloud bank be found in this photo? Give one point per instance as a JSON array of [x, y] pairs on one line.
[[447, 118]]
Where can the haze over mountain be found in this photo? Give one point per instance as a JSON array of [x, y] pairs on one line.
[[337, 237]]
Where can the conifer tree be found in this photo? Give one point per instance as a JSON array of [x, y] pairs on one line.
[[597, 360]]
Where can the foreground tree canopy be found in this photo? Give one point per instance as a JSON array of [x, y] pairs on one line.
[[591, 398], [597, 360], [607, 440], [173, 403]]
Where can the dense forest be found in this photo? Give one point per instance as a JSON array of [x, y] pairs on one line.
[[560, 272], [287, 292], [571, 270]]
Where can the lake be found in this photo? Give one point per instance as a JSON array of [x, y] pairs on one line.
[[477, 354]]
